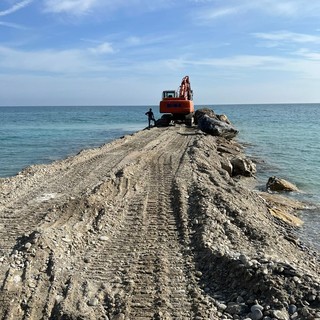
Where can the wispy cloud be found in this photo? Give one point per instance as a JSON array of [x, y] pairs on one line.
[[308, 54], [286, 36], [103, 48], [212, 10], [15, 7], [13, 25], [76, 7], [80, 7], [72, 61]]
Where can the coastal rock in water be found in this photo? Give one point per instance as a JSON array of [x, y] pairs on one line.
[[216, 127], [243, 167], [277, 184]]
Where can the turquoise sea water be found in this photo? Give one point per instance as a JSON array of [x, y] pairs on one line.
[[284, 136]]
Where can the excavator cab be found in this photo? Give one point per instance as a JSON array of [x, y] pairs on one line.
[[169, 94]]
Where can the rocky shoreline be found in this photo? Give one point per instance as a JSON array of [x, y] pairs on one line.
[[161, 224]]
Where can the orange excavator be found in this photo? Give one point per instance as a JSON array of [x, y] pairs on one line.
[[178, 105]]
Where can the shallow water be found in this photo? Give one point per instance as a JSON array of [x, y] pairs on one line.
[[286, 138]]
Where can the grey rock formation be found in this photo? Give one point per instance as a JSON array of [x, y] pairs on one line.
[[277, 184], [216, 125], [243, 166]]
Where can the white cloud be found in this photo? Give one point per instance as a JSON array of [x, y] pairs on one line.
[[285, 36], [308, 54], [76, 7], [102, 48], [70, 61], [79, 7], [133, 41], [221, 12], [15, 7], [212, 10], [13, 25]]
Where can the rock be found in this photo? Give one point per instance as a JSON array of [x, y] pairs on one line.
[[223, 118], [93, 302], [281, 314], [243, 259], [294, 316], [227, 166], [103, 238], [28, 245], [257, 315], [216, 127], [243, 167], [256, 307], [221, 306], [292, 309], [305, 312], [66, 239], [204, 111], [235, 308], [277, 184]]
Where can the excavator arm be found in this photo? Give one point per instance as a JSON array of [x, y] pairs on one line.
[[185, 91]]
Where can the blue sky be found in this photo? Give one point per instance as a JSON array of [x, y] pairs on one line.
[[125, 52]]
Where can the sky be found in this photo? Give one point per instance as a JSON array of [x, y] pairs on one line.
[[126, 52]]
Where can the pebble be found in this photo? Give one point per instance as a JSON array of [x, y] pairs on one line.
[[17, 279], [235, 308], [221, 306], [305, 312], [93, 302], [312, 297], [256, 307], [103, 238], [281, 315], [292, 309], [256, 314], [28, 245]]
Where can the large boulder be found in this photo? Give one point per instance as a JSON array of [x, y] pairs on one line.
[[216, 127], [201, 112], [243, 167], [277, 184], [210, 113]]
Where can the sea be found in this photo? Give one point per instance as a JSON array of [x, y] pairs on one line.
[[283, 139]]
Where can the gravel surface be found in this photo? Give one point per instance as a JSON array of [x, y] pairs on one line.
[[155, 225]]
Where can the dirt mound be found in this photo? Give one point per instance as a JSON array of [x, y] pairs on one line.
[[150, 226]]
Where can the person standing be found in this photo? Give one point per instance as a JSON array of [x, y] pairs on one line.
[[150, 117]]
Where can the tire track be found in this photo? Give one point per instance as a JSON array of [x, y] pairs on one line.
[[128, 228], [77, 176], [144, 263]]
